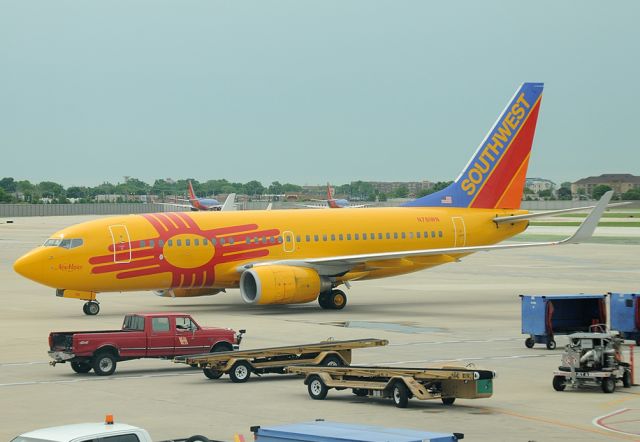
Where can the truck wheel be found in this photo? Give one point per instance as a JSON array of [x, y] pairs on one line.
[[333, 361], [529, 342], [448, 400], [240, 372], [81, 367], [626, 379], [400, 394], [608, 385], [212, 374], [360, 392], [198, 438], [559, 383], [104, 364], [317, 389], [551, 344]]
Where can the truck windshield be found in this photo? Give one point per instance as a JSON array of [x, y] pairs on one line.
[[133, 323]]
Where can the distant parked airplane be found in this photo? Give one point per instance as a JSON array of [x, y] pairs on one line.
[[333, 203], [196, 204]]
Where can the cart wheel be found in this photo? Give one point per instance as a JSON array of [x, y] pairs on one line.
[[559, 383], [212, 374], [608, 385], [551, 344], [360, 392], [448, 400], [529, 342], [333, 361], [400, 394], [317, 389], [240, 372], [626, 379]]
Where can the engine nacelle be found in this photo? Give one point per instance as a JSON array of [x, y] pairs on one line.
[[280, 284], [186, 293]]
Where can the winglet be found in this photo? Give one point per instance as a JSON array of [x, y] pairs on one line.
[[229, 203], [588, 226]]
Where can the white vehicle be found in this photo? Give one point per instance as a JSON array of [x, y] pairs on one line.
[[107, 431]]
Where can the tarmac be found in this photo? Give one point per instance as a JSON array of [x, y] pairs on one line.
[[465, 313]]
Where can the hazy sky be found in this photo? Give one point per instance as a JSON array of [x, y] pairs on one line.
[[309, 91]]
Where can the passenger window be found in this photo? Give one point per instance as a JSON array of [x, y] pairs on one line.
[[120, 438], [170, 243], [404, 236], [379, 235], [196, 242], [372, 236], [214, 241], [143, 243], [388, 235], [348, 237], [185, 323], [204, 241], [161, 243], [410, 235], [272, 240], [395, 235], [288, 239], [298, 238], [356, 236], [433, 234], [341, 237], [133, 322], [222, 241], [315, 238], [333, 237], [248, 240], [187, 242], [440, 233], [178, 242], [231, 240], [426, 235], [279, 239], [324, 237], [152, 243], [417, 234], [308, 238], [160, 324]]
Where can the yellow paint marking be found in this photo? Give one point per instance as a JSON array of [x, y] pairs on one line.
[[618, 401], [565, 425]]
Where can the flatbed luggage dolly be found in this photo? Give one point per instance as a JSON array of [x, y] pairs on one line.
[[239, 365]]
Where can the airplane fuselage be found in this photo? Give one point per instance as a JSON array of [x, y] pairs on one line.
[[204, 249]]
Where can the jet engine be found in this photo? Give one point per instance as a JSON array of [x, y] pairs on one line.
[[187, 293], [280, 284]]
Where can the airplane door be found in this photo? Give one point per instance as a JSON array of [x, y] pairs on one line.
[[288, 241], [459, 231], [121, 243]]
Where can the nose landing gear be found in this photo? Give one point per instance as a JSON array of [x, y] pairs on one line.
[[91, 308]]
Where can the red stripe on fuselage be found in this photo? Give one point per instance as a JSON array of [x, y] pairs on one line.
[[498, 183]]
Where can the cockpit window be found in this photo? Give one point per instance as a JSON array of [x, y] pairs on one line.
[[64, 243]]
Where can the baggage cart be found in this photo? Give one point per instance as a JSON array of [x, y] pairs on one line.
[[321, 431], [625, 315], [399, 384], [546, 316], [240, 364]]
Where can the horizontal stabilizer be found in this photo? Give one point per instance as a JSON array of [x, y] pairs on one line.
[[513, 218]]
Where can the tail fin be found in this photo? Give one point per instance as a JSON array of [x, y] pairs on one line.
[[329, 192], [495, 175], [192, 194]]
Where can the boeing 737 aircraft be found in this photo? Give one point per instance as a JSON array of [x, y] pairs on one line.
[[196, 203], [333, 203], [298, 256]]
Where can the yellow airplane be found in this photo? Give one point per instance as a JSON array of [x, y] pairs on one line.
[[298, 256]]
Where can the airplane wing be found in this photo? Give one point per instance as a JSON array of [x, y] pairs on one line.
[[311, 206], [229, 203], [340, 264], [186, 206]]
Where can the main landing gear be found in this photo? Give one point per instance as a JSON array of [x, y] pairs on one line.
[[91, 308], [332, 300]]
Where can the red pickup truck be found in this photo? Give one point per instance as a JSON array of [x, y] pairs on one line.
[[143, 335]]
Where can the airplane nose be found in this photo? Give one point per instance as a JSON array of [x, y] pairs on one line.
[[30, 266]]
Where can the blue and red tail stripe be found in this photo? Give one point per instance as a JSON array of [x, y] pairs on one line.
[[495, 175]]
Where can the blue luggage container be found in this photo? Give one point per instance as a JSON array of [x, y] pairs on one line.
[[625, 315], [545, 316], [321, 431]]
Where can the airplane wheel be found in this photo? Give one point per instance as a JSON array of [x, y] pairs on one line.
[[323, 300], [337, 300], [91, 308]]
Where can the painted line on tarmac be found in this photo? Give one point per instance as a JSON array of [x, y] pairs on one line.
[[598, 422], [461, 341], [95, 379], [18, 364], [609, 434], [482, 358]]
